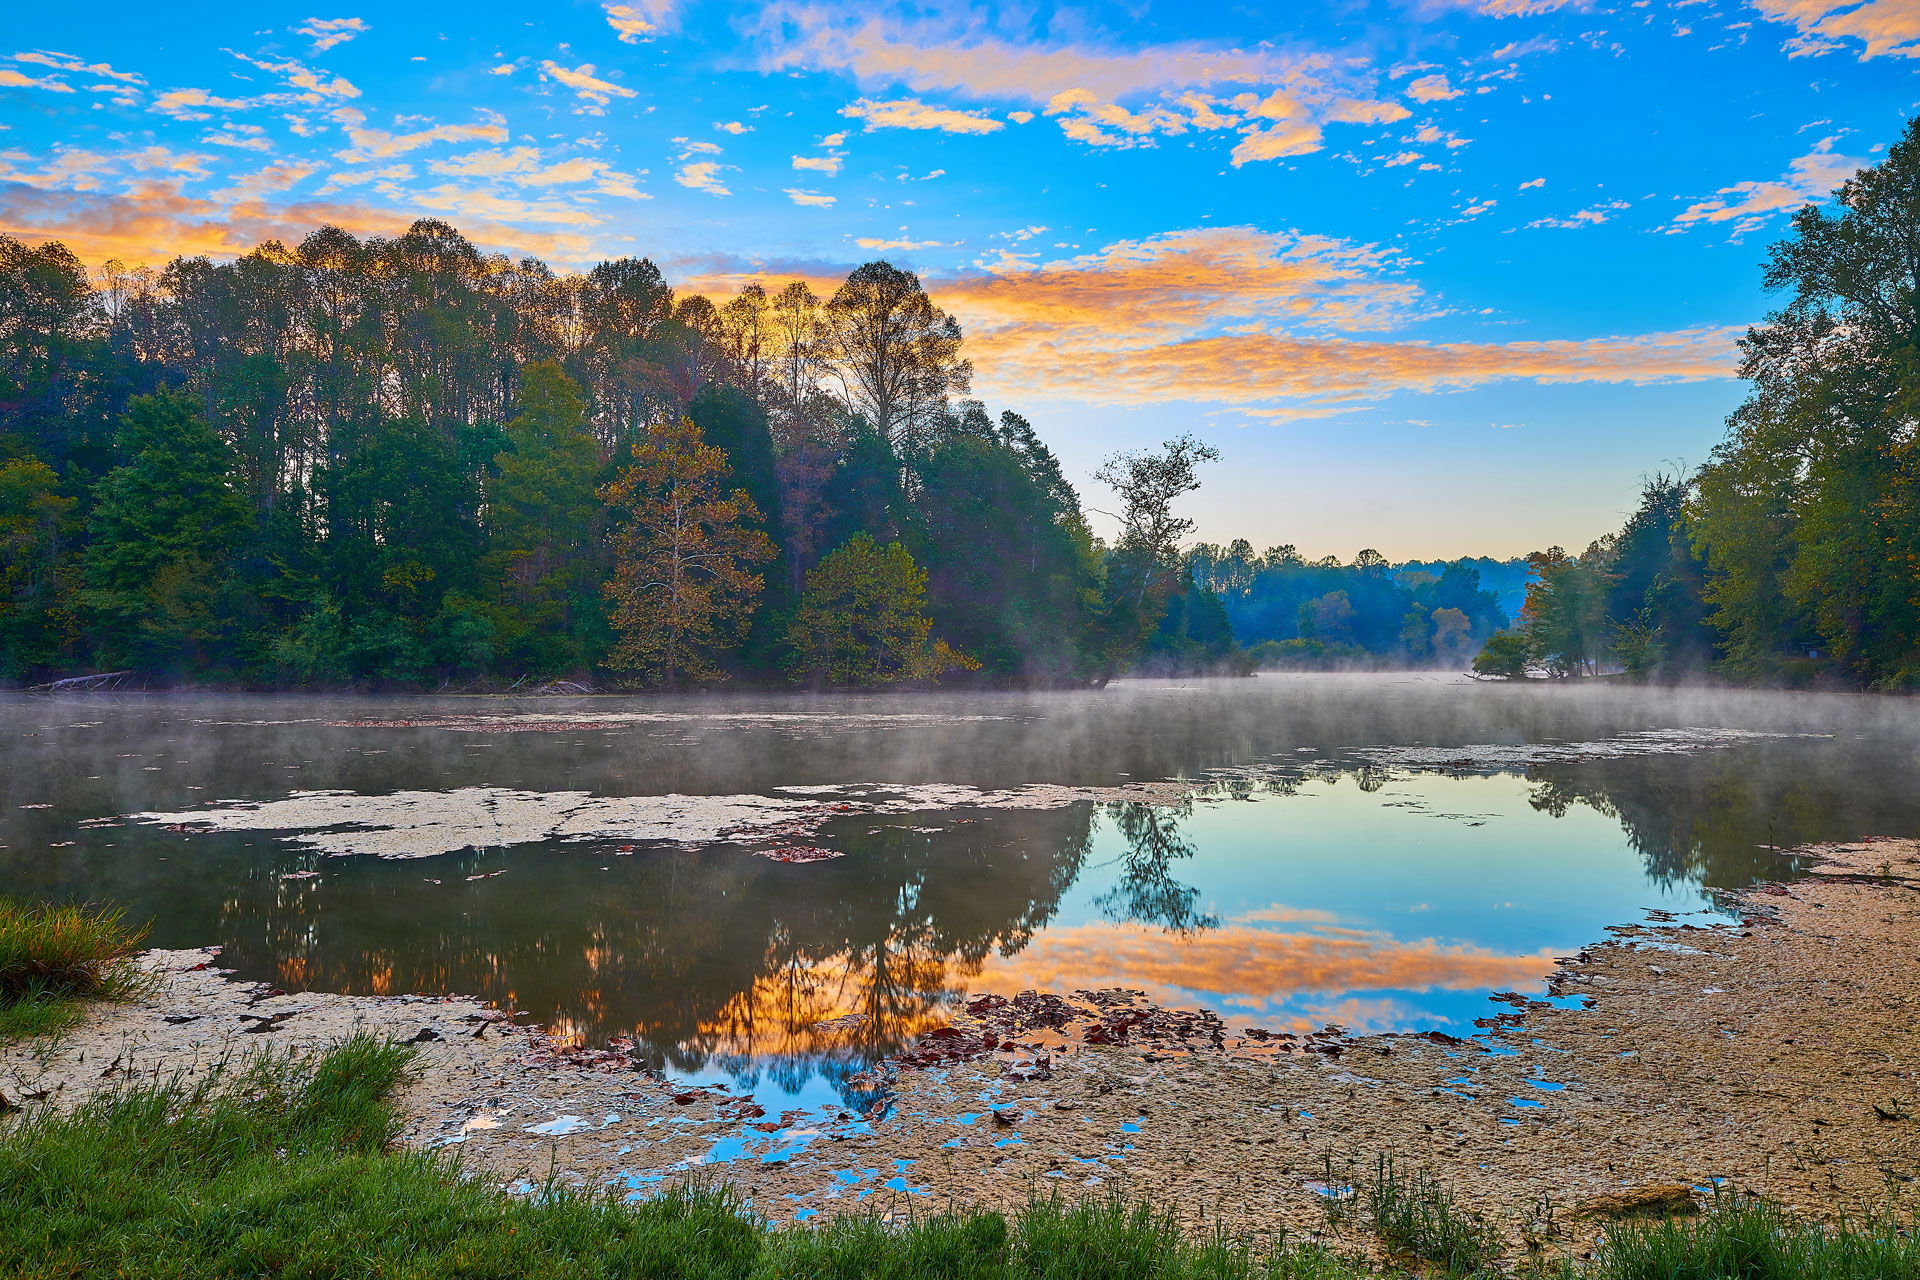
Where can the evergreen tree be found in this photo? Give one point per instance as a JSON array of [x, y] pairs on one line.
[[37, 621], [547, 528], [163, 524]]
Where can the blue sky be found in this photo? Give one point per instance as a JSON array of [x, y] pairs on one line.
[[1440, 278]]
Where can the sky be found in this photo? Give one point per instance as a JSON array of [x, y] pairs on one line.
[[1438, 277]]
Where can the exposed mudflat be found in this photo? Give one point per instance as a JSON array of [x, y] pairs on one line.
[[1778, 1053]]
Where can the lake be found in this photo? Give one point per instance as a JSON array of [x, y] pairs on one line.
[[774, 891]]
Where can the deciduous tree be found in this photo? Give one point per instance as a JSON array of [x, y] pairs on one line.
[[684, 551]]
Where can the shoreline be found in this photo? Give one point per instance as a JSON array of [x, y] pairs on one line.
[[1768, 1054]]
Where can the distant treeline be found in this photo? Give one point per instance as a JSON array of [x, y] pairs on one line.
[[401, 461], [1322, 614], [1793, 555]]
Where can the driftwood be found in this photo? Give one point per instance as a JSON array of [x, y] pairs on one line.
[[96, 683], [560, 688]]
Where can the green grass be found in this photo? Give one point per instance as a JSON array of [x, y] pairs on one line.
[[284, 1167], [1416, 1217], [54, 957], [1753, 1240], [284, 1170]]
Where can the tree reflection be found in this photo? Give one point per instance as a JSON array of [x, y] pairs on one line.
[[1146, 890], [710, 957]]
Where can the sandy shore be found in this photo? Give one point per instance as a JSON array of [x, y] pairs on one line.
[[1779, 1054]]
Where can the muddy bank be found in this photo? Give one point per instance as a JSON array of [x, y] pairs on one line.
[[1777, 1053]]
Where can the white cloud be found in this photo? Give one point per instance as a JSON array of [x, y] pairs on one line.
[[378, 144], [903, 246], [816, 198]]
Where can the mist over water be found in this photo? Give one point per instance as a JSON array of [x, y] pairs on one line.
[[1314, 877]]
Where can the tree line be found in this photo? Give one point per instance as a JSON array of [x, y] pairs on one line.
[[1793, 554], [401, 461], [1296, 613]]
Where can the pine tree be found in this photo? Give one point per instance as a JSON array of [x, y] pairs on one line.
[[546, 526], [162, 526]]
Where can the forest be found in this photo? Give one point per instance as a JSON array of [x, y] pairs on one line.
[[1793, 555], [1294, 613], [402, 462]]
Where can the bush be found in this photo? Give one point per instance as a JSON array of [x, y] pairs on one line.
[[1505, 656]]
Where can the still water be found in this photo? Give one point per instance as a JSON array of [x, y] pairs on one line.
[[1344, 856]]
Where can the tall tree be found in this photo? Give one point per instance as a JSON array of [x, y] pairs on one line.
[[1826, 451], [683, 585], [546, 526], [894, 354], [162, 526], [37, 621], [1145, 567]]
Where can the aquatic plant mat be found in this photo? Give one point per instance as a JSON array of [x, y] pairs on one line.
[[1672, 1068], [283, 1165]]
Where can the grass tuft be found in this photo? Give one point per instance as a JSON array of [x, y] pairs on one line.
[[1417, 1218], [54, 956]]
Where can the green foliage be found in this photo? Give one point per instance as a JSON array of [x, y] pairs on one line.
[[163, 525], [37, 618], [1754, 1240], [1365, 614], [683, 585], [1505, 656], [1010, 565], [1565, 618], [383, 461], [547, 530], [862, 621]]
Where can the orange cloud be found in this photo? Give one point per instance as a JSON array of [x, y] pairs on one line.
[[911, 113], [1504, 8], [590, 88], [1885, 28], [1249, 965], [1321, 375], [1085, 87], [639, 22], [1134, 291], [11, 79], [328, 32], [1257, 320], [1809, 177], [1434, 88], [156, 222]]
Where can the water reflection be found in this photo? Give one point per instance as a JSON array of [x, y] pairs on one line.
[[1145, 889], [1336, 889]]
